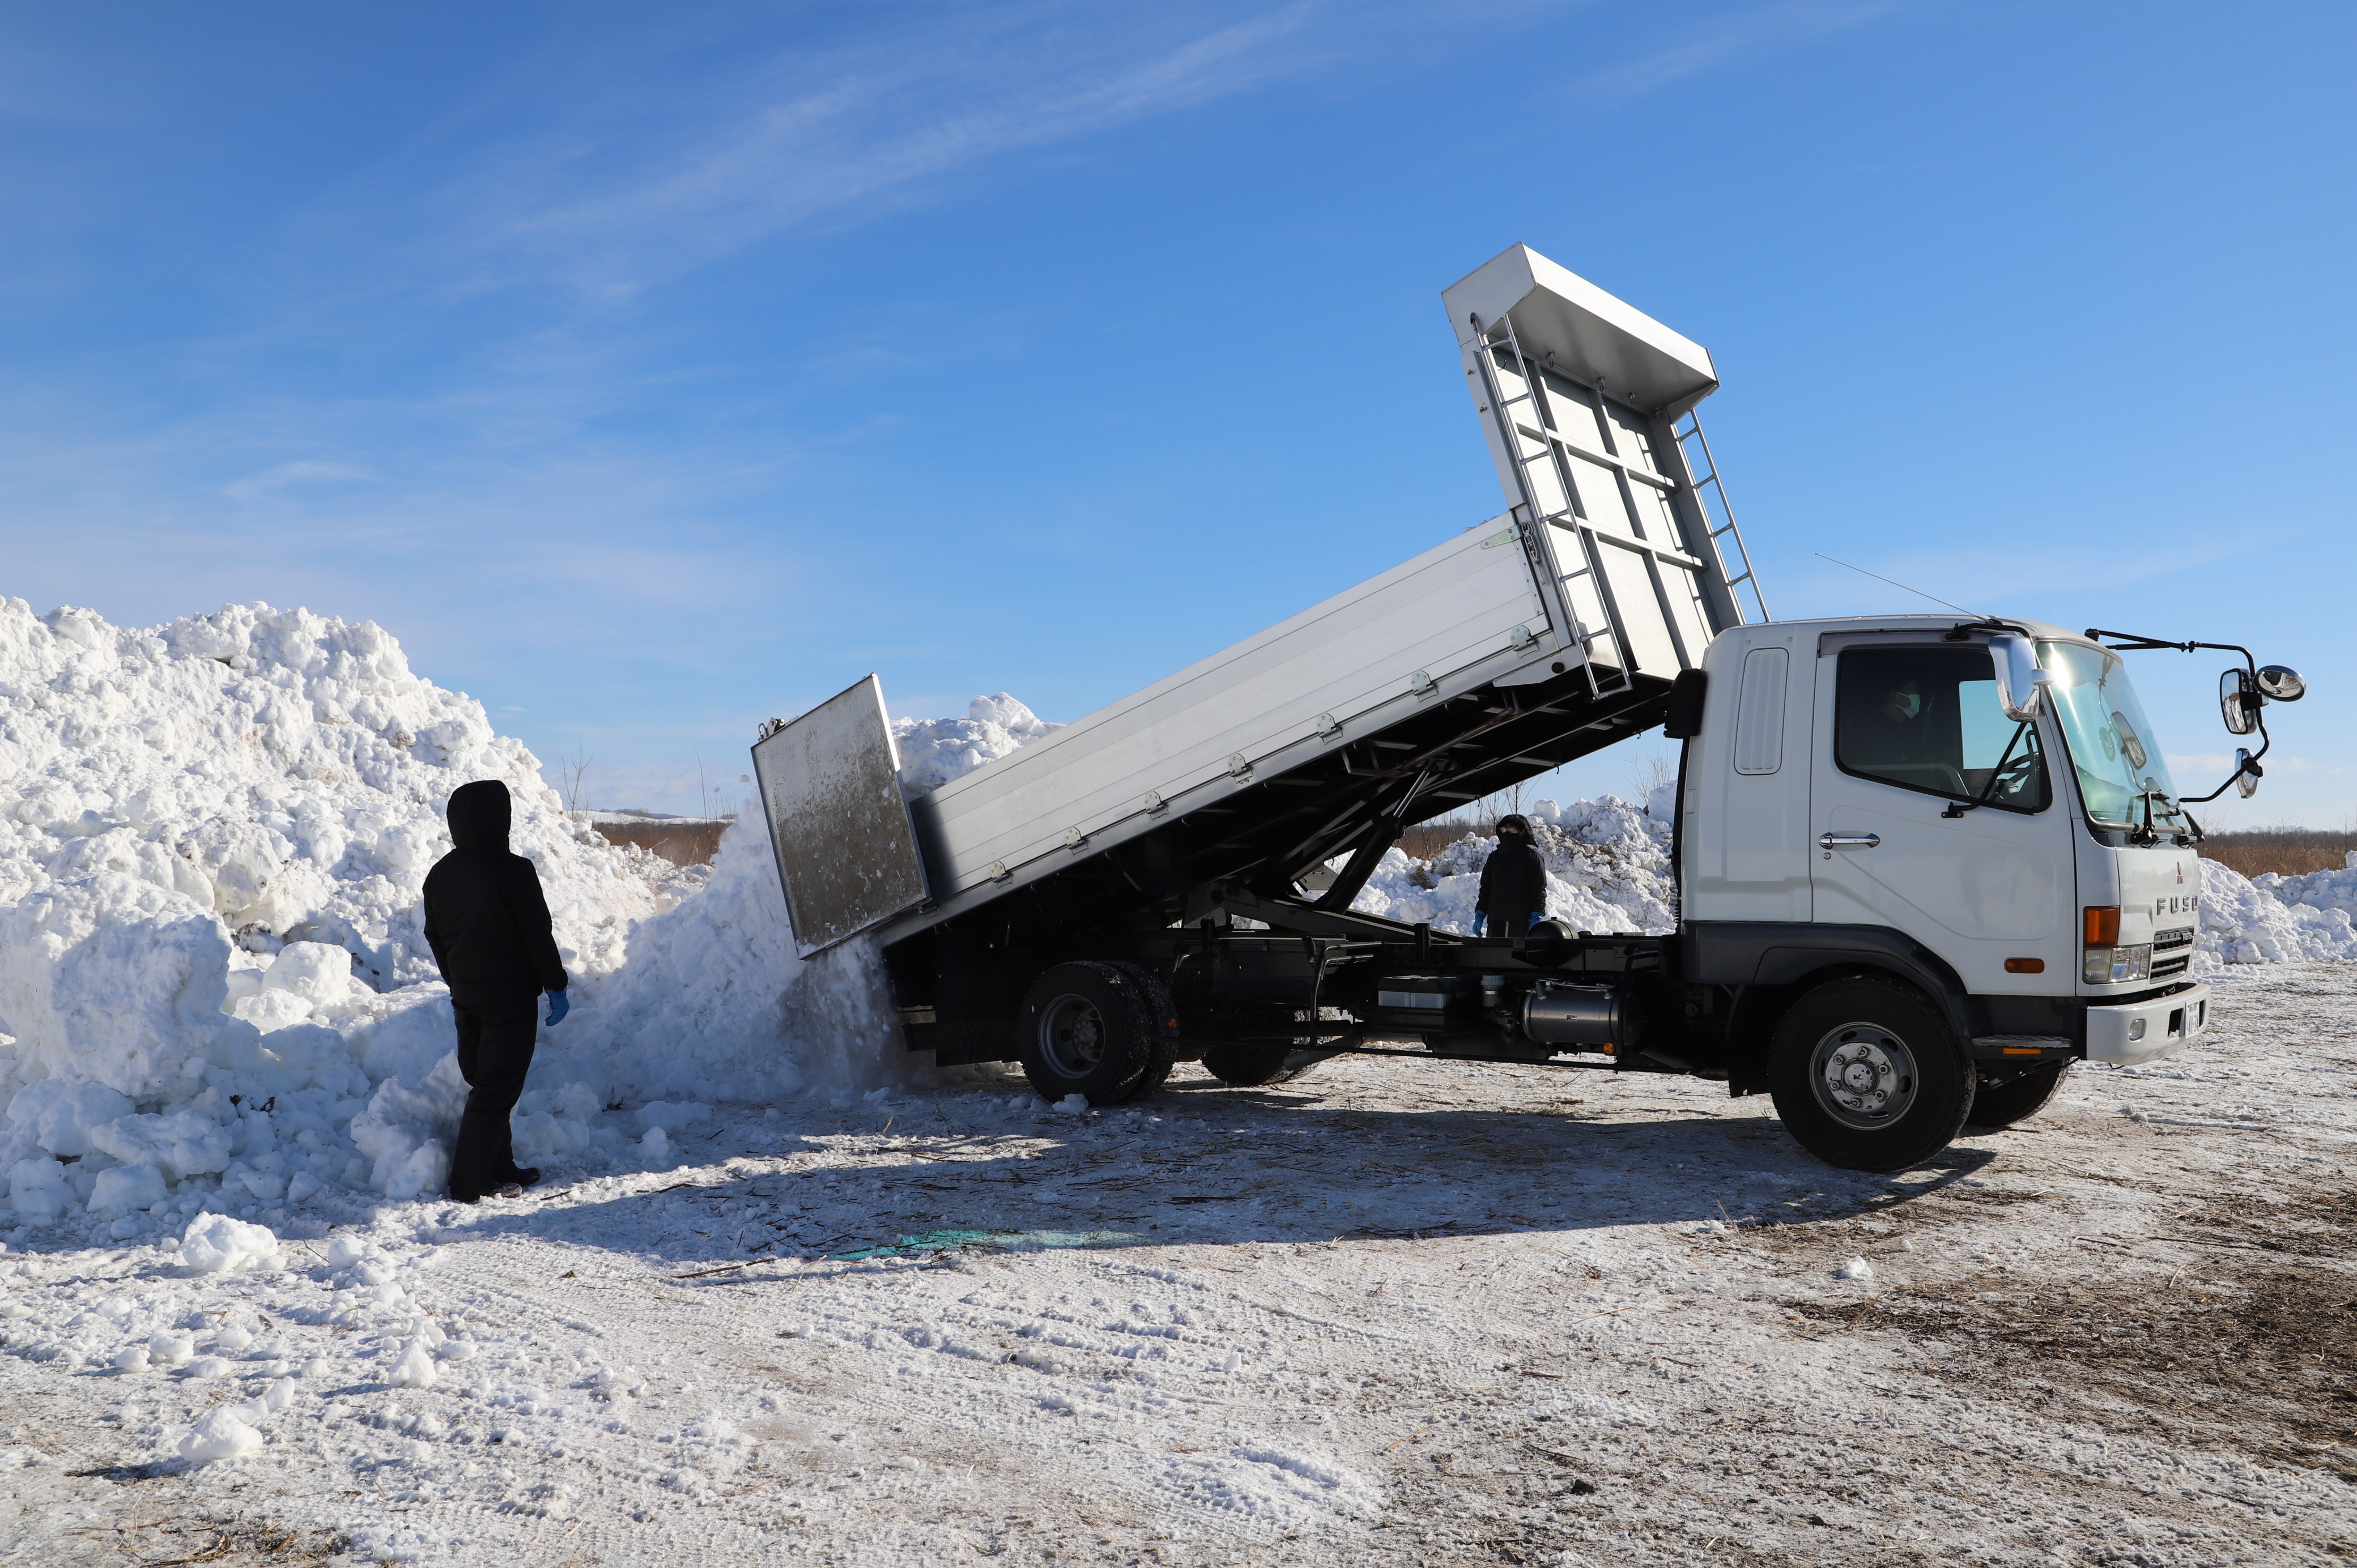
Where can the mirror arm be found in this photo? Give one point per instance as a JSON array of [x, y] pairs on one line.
[[2266, 740], [2129, 642]]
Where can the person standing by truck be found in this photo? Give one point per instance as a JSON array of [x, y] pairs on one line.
[[1513, 882], [489, 927]]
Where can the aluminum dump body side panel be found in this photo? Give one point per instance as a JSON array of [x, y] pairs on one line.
[[838, 820], [1449, 615]]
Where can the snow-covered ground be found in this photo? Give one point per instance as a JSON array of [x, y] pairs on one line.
[[1392, 1313], [1410, 1312]]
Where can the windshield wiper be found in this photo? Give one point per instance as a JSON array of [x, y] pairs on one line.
[[1958, 808], [2146, 835]]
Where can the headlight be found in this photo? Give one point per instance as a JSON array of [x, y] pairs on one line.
[[2109, 966], [2105, 960]]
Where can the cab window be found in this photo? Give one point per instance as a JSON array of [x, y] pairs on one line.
[[1927, 719]]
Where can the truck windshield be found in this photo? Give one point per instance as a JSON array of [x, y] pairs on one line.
[[2113, 747]]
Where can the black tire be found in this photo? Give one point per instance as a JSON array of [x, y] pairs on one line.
[[1092, 1029], [1867, 1076], [1256, 1067], [2018, 1100], [1163, 1054]]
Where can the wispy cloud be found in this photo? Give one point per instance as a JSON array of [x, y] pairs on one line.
[[617, 194], [1727, 40], [286, 476]]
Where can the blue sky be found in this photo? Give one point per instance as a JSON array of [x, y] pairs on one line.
[[648, 371]]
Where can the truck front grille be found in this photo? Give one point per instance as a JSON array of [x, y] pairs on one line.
[[2165, 966], [2179, 937]]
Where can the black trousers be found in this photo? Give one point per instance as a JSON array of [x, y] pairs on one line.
[[495, 1042]]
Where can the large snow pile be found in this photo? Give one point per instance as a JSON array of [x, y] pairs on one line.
[[2275, 919], [1608, 870], [2320, 890], [214, 986], [215, 991]]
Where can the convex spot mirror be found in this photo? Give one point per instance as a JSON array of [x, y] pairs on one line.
[[2238, 701], [2018, 677], [2281, 683]]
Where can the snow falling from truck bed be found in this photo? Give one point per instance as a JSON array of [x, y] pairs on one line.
[[215, 996]]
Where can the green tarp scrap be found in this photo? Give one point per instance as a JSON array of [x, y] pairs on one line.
[[953, 1240]]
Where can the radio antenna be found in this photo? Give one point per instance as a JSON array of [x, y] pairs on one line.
[[1897, 584]]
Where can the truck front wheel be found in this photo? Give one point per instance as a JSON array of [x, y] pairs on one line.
[[1867, 1076], [1093, 1029], [2017, 1099]]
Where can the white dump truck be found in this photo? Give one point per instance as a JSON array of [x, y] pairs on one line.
[[1924, 862]]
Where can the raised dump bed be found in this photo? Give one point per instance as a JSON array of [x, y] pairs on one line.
[[1504, 650]]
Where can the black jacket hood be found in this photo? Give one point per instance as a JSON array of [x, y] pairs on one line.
[[480, 813]]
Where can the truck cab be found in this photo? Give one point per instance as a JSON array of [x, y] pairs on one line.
[[1865, 828]]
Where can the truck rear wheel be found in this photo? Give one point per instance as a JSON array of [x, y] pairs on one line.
[[1867, 1075], [1252, 1067], [1092, 1029], [2018, 1099], [1162, 1013]]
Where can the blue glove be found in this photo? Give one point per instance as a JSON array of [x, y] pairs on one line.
[[1480, 922], [558, 1007]]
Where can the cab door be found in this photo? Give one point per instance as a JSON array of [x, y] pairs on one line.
[[1937, 816]]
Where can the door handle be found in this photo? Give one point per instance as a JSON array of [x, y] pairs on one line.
[[1848, 840]]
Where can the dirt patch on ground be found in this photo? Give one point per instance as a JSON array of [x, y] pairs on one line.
[[2257, 1354], [166, 1542], [2323, 1227], [1814, 1225]]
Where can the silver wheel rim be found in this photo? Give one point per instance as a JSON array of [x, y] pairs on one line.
[[1071, 1036], [1864, 1076]]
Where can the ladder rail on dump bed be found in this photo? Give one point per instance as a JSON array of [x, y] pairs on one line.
[[1713, 529]]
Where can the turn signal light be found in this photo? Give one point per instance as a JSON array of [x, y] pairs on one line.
[[2025, 966], [2102, 924]]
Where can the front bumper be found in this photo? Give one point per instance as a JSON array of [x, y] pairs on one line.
[[2144, 1031]]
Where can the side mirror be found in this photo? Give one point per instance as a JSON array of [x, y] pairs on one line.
[[2281, 683], [2130, 742], [2246, 774], [2238, 701], [2018, 678]]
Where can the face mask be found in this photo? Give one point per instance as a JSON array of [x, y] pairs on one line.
[[1910, 704]]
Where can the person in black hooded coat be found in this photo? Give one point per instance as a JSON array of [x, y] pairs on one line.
[[1513, 881], [488, 928]]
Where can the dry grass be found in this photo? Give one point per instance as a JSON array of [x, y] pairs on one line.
[[692, 841], [2287, 851], [2284, 860]]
